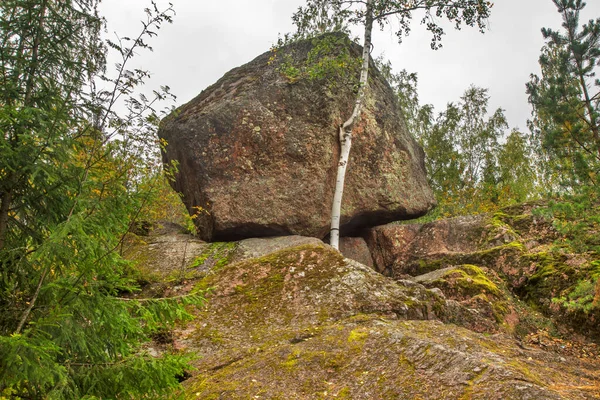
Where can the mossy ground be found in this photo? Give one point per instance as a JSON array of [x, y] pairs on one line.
[[283, 327], [376, 358], [467, 281], [303, 323], [477, 289]]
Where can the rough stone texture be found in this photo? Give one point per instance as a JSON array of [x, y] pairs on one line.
[[313, 282], [165, 252], [511, 251], [475, 261], [355, 248], [305, 323], [369, 357], [257, 154], [490, 305], [258, 247], [400, 249]]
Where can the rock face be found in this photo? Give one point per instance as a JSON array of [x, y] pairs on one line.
[[355, 248], [293, 319], [257, 153], [401, 249], [304, 323], [495, 263]]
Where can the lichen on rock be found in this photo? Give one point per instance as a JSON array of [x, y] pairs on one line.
[[513, 247], [291, 318], [257, 154]]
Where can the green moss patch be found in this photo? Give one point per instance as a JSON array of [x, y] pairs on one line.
[[395, 359], [470, 280], [278, 287], [215, 256]]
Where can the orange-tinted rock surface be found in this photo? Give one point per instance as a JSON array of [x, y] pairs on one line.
[[257, 153]]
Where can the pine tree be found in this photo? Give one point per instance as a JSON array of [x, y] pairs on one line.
[[566, 99], [70, 188]]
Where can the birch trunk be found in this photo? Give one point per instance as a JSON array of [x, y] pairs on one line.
[[345, 131]]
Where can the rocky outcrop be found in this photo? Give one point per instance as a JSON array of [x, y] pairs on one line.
[[296, 320], [257, 153], [401, 249], [498, 264], [370, 357]]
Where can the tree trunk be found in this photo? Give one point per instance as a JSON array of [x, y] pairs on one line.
[[30, 83], [346, 131], [25, 315], [7, 197], [592, 123], [5, 201], [590, 111]]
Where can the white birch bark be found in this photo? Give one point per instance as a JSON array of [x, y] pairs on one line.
[[346, 131]]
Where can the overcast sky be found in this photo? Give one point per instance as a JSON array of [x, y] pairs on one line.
[[208, 38]]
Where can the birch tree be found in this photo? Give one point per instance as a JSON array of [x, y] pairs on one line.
[[365, 14]]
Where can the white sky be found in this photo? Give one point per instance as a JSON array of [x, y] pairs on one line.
[[209, 37]]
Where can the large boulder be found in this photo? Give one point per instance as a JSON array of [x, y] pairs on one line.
[[257, 152]]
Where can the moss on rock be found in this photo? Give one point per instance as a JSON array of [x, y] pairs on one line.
[[395, 359], [305, 323], [515, 248]]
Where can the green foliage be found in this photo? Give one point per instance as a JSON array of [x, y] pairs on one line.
[[581, 298], [517, 175], [319, 16], [288, 69], [164, 203], [329, 60], [566, 101], [325, 16], [469, 169], [577, 219], [419, 118], [565, 125], [71, 187]]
